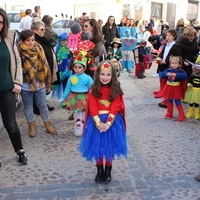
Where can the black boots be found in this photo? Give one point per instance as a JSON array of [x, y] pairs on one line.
[[101, 176], [107, 175]]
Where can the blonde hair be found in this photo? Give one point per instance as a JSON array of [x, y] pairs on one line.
[[188, 32], [177, 58]]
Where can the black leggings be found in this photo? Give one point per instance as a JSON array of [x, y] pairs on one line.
[[8, 111]]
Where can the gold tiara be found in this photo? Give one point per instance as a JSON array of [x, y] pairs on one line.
[[106, 65]]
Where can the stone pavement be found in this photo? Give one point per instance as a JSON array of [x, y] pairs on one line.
[[164, 155]]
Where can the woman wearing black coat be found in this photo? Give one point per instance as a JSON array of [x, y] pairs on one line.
[[39, 28], [110, 31], [188, 49]]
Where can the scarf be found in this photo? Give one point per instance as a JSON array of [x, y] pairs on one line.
[[33, 60]]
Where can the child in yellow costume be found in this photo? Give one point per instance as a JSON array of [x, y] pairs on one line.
[[192, 95]]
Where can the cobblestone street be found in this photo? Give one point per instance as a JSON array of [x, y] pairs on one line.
[[163, 159]]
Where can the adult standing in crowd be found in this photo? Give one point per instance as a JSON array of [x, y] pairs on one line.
[[10, 85], [122, 21], [132, 23], [25, 22], [110, 31], [49, 34], [147, 33], [39, 29], [180, 25], [97, 38], [153, 22], [83, 19], [37, 14], [188, 49]]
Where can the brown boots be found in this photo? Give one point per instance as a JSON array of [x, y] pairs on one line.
[[49, 128], [32, 129]]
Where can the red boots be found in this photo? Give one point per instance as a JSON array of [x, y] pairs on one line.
[[169, 113], [181, 113]]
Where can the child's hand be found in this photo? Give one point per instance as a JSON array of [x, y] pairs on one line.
[[100, 127], [105, 127], [190, 86], [61, 100]]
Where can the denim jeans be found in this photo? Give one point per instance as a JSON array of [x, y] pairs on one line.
[[8, 111], [40, 100]]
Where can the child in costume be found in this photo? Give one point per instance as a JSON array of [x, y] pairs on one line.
[[75, 94], [192, 95], [128, 45], [36, 81], [116, 50], [174, 87], [104, 135], [63, 57], [141, 53]]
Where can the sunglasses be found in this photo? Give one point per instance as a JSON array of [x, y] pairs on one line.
[[1, 22], [86, 25], [42, 29]]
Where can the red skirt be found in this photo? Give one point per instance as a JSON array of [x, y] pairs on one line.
[[172, 92]]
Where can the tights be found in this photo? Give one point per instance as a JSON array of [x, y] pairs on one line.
[[177, 101], [101, 162]]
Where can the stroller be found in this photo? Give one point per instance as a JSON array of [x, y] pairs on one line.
[[142, 61]]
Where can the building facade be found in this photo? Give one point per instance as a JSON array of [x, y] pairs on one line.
[[168, 10]]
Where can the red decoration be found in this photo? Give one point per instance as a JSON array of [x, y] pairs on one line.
[[110, 119], [106, 65], [75, 52], [89, 55], [79, 57]]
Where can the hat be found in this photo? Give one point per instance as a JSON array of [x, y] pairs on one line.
[[86, 35], [81, 59], [116, 40], [63, 36], [75, 28]]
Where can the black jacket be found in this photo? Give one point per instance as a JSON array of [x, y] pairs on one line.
[[110, 34], [172, 52], [48, 50], [187, 50]]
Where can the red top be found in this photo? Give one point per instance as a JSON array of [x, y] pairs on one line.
[[102, 104]]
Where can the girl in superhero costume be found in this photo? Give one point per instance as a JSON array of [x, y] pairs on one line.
[[104, 135], [174, 88], [192, 95]]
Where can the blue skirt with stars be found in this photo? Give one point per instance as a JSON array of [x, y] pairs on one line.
[[108, 145]]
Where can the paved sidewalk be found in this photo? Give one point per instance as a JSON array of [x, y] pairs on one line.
[[164, 155]]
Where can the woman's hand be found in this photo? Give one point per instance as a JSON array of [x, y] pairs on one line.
[[48, 90], [186, 63], [17, 88]]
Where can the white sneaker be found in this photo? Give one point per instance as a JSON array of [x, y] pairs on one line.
[[155, 75]]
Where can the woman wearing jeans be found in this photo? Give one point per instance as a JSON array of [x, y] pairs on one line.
[[10, 85]]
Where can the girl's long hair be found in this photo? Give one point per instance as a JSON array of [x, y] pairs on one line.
[[114, 83], [108, 23]]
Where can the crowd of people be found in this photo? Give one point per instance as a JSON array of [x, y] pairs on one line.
[[83, 75]]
